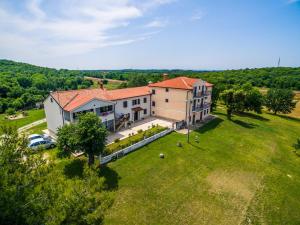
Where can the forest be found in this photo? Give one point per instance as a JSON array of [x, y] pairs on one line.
[[23, 85]]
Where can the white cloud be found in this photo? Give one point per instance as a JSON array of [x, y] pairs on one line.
[[68, 27], [157, 23], [198, 15]]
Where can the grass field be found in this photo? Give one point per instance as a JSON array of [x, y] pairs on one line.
[[37, 129], [33, 115], [242, 172]]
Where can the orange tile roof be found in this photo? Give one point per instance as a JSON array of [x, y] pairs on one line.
[[70, 100], [185, 83]]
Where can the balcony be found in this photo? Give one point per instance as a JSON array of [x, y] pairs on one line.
[[201, 107], [201, 94], [103, 114]]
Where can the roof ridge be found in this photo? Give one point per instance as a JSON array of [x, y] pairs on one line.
[[184, 81], [71, 100]]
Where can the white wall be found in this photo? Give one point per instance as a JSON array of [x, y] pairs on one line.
[[54, 114], [96, 103], [121, 110]]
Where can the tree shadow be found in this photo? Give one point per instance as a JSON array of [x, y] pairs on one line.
[[244, 124], [111, 178], [288, 118], [253, 116], [219, 113], [210, 125], [74, 168]]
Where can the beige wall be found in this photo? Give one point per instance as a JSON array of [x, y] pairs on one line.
[[174, 109]]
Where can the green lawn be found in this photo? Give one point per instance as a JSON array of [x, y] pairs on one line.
[[242, 172], [38, 129], [33, 115]]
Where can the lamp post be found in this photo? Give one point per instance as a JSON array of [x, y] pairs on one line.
[[188, 125]]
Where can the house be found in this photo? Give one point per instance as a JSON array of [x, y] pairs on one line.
[[182, 99]]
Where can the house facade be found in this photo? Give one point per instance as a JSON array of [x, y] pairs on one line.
[[182, 99]]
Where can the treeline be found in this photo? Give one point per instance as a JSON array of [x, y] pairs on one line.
[[281, 77], [23, 85]]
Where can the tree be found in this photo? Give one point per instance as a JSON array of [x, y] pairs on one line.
[[91, 135], [88, 135], [20, 172], [137, 81], [253, 99], [280, 100], [66, 139], [234, 101]]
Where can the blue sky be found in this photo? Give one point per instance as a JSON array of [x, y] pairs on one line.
[[171, 34]]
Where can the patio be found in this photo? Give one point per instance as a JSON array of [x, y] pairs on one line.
[[140, 125]]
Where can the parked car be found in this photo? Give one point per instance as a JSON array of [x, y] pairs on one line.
[[41, 143], [37, 136]]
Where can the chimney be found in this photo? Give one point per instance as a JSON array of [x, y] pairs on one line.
[[100, 84], [165, 76]]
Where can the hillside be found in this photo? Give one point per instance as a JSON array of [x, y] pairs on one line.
[[22, 85]]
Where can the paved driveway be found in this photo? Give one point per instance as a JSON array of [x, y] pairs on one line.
[[143, 124]]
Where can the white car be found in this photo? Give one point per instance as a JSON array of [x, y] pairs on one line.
[[41, 143]]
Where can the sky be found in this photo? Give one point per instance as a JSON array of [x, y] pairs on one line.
[[151, 34]]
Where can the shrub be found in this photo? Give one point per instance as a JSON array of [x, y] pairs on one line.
[[10, 111], [140, 131], [117, 140]]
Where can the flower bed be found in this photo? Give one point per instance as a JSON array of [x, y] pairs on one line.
[[120, 144]]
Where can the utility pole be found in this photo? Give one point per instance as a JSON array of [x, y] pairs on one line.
[[188, 126]]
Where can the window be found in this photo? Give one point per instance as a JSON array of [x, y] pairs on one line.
[[153, 103], [166, 100], [135, 101], [51, 99], [106, 109], [153, 91], [145, 100], [125, 104], [153, 112], [145, 111], [167, 89]]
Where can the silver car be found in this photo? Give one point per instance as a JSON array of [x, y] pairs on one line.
[[41, 143]]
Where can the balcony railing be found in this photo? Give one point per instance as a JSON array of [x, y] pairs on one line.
[[201, 94], [200, 108], [105, 113]]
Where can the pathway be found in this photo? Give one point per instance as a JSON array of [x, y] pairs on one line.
[[28, 126]]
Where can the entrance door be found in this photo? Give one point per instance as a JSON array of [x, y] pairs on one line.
[[136, 116], [201, 116], [194, 118]]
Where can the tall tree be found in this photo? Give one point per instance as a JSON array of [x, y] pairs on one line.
[[234, 101], [88, 135], [280, 101], [91, 135], [20, 172]]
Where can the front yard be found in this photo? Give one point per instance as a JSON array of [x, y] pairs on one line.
[[241, 172]]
